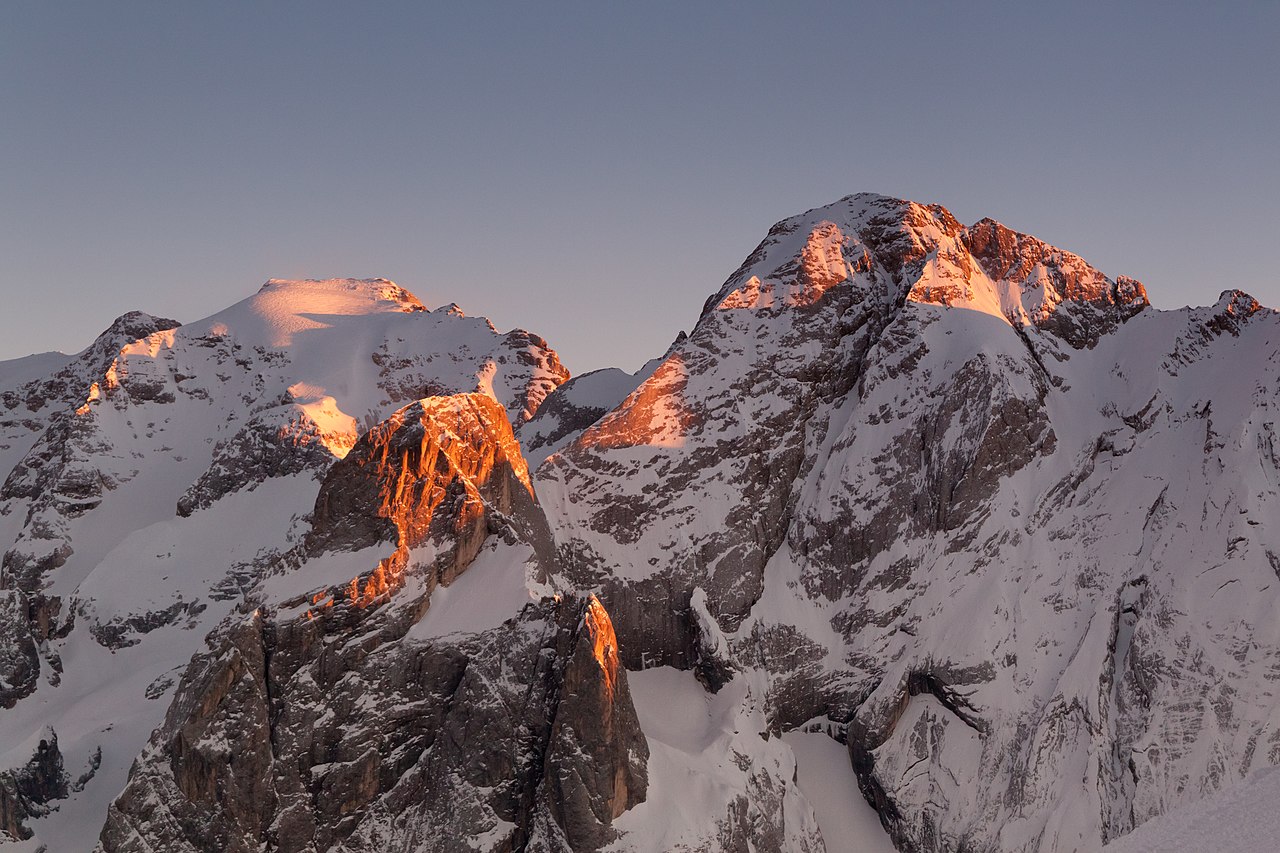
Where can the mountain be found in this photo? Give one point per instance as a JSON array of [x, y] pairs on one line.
[[926, 536], [163, 471]]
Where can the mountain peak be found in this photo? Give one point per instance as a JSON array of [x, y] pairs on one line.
[[138, 324], [379, 289], [1010, 255], [903, 250], [282, 308]]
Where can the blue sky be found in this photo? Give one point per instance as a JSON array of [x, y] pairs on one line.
[[593, 171]]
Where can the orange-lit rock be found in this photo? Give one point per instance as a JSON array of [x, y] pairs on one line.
[[603, 641], [428, 469], [431, 473], [653, 415]]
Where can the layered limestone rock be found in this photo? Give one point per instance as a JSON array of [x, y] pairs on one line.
[[443, 472], [19, 653], [595, 755], [397, 745], [427, 472], [1047, 277]]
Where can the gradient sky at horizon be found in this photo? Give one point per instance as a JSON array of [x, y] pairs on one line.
[[592, 172]]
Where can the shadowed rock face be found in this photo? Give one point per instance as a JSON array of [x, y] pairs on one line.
[[595, 767], [32, 789], [271, 739], [19, 656], [276, 443]]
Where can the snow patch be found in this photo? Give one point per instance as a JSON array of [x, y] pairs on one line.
[[825, 776]]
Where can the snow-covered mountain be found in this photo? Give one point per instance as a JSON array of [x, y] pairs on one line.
[[156, 476], [926, 536]]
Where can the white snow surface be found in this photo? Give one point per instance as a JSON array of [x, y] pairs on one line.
[[849, 824], [493, 589], [1243, 818], [704, 751], [18, 371]]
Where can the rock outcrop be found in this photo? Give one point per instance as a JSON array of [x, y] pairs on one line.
[[368, 734], [426, 473], [32, 789], [277, 442]]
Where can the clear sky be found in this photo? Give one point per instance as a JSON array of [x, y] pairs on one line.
[[593, 171]]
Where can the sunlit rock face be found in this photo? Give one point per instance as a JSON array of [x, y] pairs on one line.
[[426, 472], [369, 731], [279, 384], [442, 473], [579, 403]]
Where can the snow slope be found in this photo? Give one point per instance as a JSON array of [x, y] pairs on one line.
[[1240, 819], [706, 758], [847, 821], [19, 371]]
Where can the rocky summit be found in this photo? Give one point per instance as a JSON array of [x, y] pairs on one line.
[[926, 537]]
